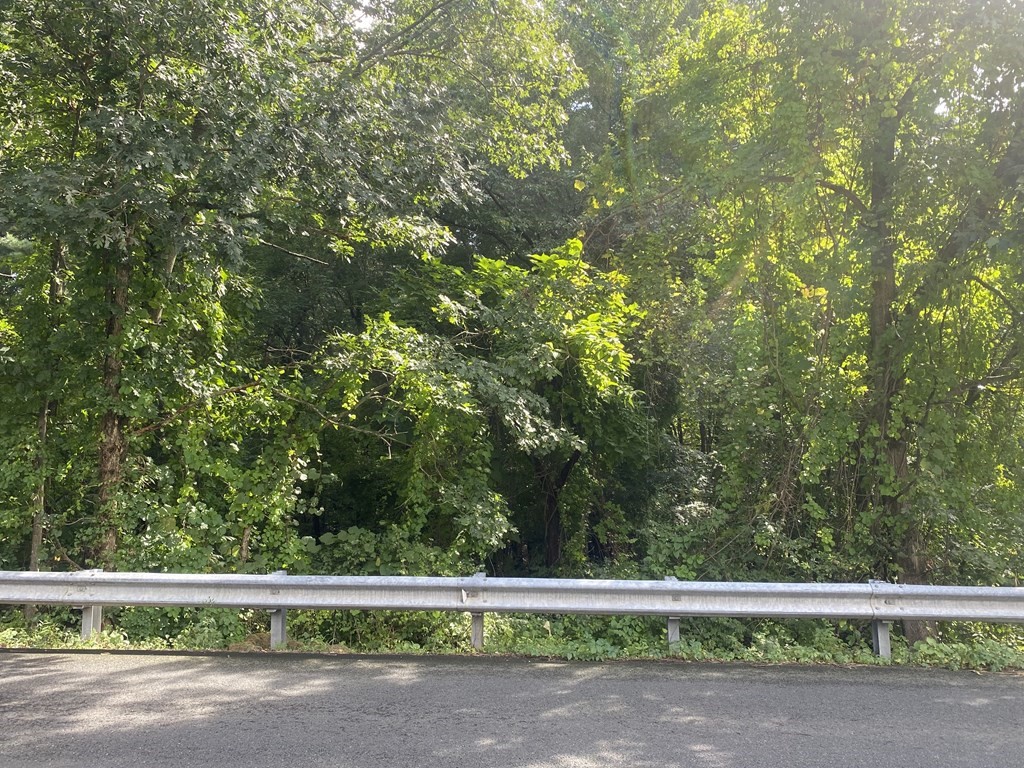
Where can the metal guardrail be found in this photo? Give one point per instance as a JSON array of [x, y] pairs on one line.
[[878, 602]]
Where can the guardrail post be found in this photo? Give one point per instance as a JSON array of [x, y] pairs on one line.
[[92, 615], [673, 624], [477, 628], [673, 631], [278, 623], [880, 638], [478, 631], [92, 620], [278, 628]]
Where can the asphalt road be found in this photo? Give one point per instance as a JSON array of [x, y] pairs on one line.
[[254, 711]]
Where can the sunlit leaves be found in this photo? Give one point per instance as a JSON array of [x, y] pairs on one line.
[[160, 149]]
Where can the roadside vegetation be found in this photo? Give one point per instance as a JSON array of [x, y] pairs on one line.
[[709, 289], [573, 638]]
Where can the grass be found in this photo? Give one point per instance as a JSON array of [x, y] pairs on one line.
[[965, 646]]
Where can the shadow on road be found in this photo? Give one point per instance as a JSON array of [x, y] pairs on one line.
[[276, 710]]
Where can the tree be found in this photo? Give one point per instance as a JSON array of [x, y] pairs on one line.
[[490, 392], [149, 147], [850, 181]]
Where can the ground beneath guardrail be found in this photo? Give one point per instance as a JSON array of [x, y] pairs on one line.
[[255, 710]]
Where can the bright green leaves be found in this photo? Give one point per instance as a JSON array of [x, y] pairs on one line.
[[499, 67], [519, 364], [249, 269], [596, 318], [808, 200], [153, 151]]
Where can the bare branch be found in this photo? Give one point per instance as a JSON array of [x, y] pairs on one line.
[[292, 253]]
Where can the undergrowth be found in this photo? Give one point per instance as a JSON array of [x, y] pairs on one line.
[[585, 638]]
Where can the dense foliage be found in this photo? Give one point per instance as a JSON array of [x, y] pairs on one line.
[[712, 289]]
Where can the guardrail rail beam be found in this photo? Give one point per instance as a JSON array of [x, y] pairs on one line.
[[876, 602]]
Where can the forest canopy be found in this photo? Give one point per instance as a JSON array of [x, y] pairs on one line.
[[716, 290]]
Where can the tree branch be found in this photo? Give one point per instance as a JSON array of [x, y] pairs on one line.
[[292, 253], [411, 30], [189, 406], [846, 192], [1011, 305]]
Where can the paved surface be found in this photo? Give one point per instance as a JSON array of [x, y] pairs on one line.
[[257, 711]]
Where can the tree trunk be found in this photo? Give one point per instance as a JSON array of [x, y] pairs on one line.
[[39, 497], [38, 503], [552, 529], [58, 266], [889, 478], [552, 485], [913, 560], [157, 311], [113, 440]]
